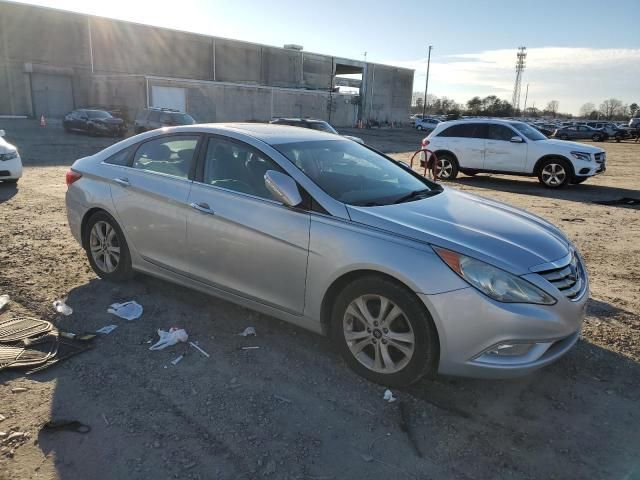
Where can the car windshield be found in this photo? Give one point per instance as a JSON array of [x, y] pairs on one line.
[[98, 114], [528, 131], [182, 119], [354, 174], [322, 126]]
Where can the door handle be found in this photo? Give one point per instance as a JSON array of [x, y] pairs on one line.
[[202, 207], [122, 181]]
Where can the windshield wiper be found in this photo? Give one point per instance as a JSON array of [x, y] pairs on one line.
[[416, 194]]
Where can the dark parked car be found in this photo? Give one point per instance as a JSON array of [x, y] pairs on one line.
[[152, 118], [313, 124], [580, 131], [94, 122]]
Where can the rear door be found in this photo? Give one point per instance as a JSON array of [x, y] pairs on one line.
[[501, 153], [467, 142], [150, 197], [239, 238]]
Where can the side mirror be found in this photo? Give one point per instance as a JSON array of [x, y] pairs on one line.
[[516, 139], [2, 133], [283, 188]]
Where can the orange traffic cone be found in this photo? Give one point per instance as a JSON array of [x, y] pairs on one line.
[[43, 122]]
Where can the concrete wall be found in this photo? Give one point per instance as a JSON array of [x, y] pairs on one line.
[[99, 54]]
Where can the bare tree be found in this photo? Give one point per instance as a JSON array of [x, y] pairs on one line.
[[611, 107], [553, 106], [586, 109], [633, 108]]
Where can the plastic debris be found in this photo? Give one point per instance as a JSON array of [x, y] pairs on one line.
[[249, 331], [176, 360], [2, 418], [4, 299], [388, 396], [250, 348], [62, 307], [127, 310], [195, 345], [107, 329], [19, 390], [173, 336]]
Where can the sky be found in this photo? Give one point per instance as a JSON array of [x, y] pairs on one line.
[[578, 51]]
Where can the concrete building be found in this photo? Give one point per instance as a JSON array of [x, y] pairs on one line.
[[52, 61]]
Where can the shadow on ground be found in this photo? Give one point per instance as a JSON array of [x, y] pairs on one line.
[[7, 191], [584, 193], [291, 409]]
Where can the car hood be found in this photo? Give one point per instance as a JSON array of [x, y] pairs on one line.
[[6, 147], [573, 145], [496, 233]]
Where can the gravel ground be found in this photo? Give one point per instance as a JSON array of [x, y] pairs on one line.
[[291, 409]]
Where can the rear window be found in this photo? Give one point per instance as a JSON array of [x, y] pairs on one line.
[[465, 130]]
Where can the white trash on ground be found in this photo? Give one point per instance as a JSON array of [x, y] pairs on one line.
[[62, 307], [4, 299], [173, 336], [249, 331], [388, 396], [107, 329], [127, 310], [176, 360], [195, 345]]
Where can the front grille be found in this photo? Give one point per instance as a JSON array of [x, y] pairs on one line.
[[569, 279], [5, 173]]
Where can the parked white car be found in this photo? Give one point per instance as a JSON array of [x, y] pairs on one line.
[[511, 147], [10, 163], [426, 123]]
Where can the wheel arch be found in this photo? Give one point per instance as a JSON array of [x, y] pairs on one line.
[[85, 220], [343, 280], [447, 152], [554, 156]]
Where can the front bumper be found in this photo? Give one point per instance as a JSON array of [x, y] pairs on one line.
[[470, 324], [11, 169]]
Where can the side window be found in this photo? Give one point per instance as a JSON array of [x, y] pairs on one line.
[[500, 132], [237, 167], [465, 130], [154, 116], [169, 155], [121, 158], [165, 118]]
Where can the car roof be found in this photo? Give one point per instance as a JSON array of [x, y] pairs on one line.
[[272, 134], [498, 121], [312, 120]]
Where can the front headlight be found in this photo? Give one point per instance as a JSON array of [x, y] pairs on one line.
[[582, 156], [8, 156], [494, 282]]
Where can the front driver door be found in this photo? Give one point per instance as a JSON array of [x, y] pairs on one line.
[[501, 153], [239, 238], [151, 195]]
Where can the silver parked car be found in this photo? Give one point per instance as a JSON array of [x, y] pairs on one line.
[[408, 277]]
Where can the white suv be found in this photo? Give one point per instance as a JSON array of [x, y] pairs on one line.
[[10, 162], [505, 146]]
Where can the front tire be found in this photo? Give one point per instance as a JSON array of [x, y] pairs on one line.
[[384, 333], [564, 137], [596, 137], [107, 248], [419, 128], [554, 173]]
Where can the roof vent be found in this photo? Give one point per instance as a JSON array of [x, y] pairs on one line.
[[293, 46]]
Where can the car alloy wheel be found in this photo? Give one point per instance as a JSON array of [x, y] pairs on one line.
[[104, 247], [554, 174], [378, 334], [445, 168]]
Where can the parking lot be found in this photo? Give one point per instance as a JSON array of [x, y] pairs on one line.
[[291, 409]]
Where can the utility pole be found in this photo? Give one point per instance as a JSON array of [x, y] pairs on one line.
[[526, 95], [426, 85]]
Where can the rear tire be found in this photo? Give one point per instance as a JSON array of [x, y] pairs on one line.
[[419, 128], [596, 137], [393, 346], [554, 173], [564, 137], [107, 248], [447, 167]]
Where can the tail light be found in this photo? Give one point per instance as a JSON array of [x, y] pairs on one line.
[[425, 142], [72, 176]]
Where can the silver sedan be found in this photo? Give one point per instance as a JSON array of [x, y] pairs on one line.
[[409, 278]]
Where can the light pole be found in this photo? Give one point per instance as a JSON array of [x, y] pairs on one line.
[[426, 85]]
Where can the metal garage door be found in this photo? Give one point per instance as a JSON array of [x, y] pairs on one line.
[[169, 97], [52, 94]]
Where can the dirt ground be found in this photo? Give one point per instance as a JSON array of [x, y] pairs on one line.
[[291, 409]]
